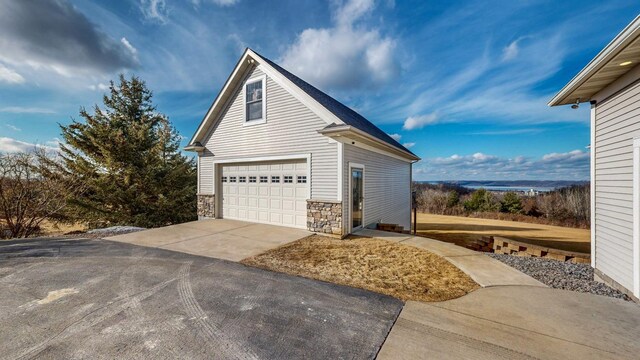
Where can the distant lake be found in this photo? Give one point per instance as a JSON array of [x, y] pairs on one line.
[[510, 188], [516, 185]]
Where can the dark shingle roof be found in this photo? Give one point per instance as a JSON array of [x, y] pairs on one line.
[[340, 110]]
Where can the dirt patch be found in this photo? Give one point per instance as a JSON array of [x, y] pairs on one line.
[[402, 271], [464, 230]]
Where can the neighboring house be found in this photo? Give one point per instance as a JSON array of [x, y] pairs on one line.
[[611, 83], [274, 149]]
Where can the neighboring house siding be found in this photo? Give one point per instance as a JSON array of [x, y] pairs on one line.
[[291, 128], [387, 187], [617, 123]]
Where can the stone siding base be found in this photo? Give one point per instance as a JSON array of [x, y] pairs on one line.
[[325, 216], [206, 206]]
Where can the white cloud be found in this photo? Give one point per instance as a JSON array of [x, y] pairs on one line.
[[217, 2], [396, 137], [409, 145], [99, 86], [510, 52], [26, 110], [13, 127], [9, 145], [420, 121], [154, 10], [66, 48], [572, 165], [130, 47], [10, 76], [345, 56]]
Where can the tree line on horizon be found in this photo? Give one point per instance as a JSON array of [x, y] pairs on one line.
[[566, 206], [121, 165]]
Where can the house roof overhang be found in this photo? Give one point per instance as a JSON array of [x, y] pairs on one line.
[[340, 132], [620, 56]]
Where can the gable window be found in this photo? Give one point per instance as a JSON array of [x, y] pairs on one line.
[[255, 101]]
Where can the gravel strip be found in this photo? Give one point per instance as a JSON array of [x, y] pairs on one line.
[[560, 275]]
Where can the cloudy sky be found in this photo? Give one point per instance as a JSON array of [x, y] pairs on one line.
[[463, 83]]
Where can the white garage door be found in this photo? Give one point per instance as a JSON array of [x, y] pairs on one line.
[[266, 192]]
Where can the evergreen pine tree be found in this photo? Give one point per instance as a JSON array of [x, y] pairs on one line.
[[128, 156]]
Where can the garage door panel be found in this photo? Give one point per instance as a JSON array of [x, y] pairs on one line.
[[275, 218], [258, 192], [288, 205], [263, 203], [275, 204], [288, 192], [288, 219]]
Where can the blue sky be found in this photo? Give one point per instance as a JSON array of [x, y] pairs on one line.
[[464, 83]]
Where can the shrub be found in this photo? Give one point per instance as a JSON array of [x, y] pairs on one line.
[[511, 203], [482, 201]]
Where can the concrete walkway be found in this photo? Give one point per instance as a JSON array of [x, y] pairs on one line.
[[220, 238], [512, 317], [517, 322], [481, 268]]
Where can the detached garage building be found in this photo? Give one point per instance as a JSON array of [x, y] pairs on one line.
[[274, 149], [611, 83]]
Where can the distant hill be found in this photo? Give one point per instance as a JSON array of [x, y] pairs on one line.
[[495, 184]]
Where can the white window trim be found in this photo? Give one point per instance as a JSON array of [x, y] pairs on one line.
[[263, 120], [350, 202], [636, 217]]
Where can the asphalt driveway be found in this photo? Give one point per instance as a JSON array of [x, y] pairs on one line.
[[103, 299]]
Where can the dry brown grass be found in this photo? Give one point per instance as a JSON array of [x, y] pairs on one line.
[[402, 271], [52, 229], [460, 230]]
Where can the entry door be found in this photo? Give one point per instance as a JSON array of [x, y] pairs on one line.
[[357, 198]]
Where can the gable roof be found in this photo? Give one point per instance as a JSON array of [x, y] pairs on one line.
[[333, 109], [620, 56], [343, 112]]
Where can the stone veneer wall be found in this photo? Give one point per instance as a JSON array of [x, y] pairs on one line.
[[325, 216], [206, 206]]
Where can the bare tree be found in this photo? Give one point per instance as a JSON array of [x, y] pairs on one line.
[[30, 192]]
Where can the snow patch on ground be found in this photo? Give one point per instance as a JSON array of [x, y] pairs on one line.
[[116, 230]]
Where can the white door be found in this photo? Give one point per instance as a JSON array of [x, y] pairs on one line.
[[266, 192]]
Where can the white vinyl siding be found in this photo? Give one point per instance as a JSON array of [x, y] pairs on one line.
[[617, 123], [205, 174], [291, 128], [387, 187]]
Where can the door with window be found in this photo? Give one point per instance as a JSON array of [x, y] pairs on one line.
[[357, 197]]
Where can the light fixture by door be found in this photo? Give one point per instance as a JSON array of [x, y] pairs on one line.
[[576, 105]]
